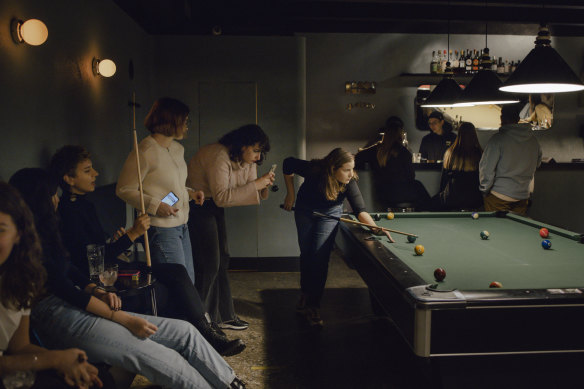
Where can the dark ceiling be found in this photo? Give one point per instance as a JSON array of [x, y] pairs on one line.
[[288, 17]]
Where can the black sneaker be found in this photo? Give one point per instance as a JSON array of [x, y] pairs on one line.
[[312, 315], [235, 324], [237, 384]]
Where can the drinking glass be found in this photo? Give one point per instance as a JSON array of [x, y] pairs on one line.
[[109, 275], [95, 255], [19, 379]]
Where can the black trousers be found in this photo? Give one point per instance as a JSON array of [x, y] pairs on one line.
[[208, 235]]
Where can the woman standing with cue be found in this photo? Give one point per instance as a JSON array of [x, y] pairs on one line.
[[327, 183], [164, 175]]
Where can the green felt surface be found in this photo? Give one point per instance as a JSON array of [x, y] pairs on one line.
[[512, 255]]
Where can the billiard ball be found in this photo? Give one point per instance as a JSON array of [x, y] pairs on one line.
[[411, 239], [419, 249], [440, 274], [484, 235], [544, 233], [376, 217], [474, 215], [495, 284], [390, 215], [546, 244]]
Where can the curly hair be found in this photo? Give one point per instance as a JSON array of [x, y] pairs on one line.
[[22, 276], [247, 135], [327, 166], [65, 161]]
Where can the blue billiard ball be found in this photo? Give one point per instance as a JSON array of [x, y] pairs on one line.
[[546, 244], [411, 239], [485, 235]]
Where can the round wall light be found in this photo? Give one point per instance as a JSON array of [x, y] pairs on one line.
[[33, 31], [104, 67]]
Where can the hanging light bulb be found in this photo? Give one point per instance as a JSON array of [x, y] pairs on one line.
[[543, 70]]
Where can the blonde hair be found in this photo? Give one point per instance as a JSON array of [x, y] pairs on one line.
[[465, 153], [330, 186]]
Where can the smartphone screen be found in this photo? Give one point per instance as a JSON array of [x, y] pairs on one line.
[[170, 199]]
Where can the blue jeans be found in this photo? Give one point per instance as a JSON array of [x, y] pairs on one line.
[[316, 236], [172, 245], [176, 356]]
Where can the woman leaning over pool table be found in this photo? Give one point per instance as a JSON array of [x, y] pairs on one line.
[[327, 183]]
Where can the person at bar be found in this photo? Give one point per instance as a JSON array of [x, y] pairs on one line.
[[508, 164], [440, 138]]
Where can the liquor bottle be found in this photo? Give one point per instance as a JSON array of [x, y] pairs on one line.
[[494, 63], [438, 61], [434, 63], [461, 63], [507, 67], [468, 62], [454, 62], [475, 62], [500, 66], [443, 62], [513, 66]]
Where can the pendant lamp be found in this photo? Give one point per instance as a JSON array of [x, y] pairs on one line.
[[543, 70], [483, 88]]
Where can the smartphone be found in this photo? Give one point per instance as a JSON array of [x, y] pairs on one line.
[[273, 168], [170, 199]]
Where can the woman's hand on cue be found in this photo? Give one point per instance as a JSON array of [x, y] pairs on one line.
[[165, 210], [289, 201]]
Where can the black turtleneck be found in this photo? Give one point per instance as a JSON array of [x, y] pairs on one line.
[[80, 226]]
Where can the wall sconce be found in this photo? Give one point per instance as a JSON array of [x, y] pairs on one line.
[[33, 31], [104, 67]]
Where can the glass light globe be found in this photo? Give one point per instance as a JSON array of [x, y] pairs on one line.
[[34, 32], [106, 67]]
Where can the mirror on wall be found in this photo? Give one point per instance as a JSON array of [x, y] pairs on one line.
[[538, 110]]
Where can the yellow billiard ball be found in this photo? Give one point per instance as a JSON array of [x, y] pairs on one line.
[[419, 249], [390, 215]]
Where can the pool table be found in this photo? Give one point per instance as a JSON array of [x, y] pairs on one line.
[[539, 309]]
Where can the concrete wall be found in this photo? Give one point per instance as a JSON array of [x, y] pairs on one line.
[[50, 96]]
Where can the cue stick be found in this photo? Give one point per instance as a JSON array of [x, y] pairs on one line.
[[356, 222], [143, 208]]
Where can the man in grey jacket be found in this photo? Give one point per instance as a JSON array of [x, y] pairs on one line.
[[508, 164]]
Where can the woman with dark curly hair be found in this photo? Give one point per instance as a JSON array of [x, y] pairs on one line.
[[22, 279], [227, 174]]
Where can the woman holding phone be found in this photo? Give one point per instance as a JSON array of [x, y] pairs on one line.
[[226, 172], [164, 174]]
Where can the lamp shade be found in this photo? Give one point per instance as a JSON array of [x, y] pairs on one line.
[[445, 94], [543, 71], [483, 89], [33, 32]]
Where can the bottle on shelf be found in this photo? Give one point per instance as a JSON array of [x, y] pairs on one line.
[[443, 61], [454, 62], [475, 62], [461, 63], [468, 62], [494, 63], [434, 63], [500, 66], [507, 67]]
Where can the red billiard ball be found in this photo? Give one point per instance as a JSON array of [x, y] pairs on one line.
[[496, 284], [439, 274], [544, 233]]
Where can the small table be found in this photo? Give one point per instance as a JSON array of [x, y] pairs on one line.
[[126, 287]]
